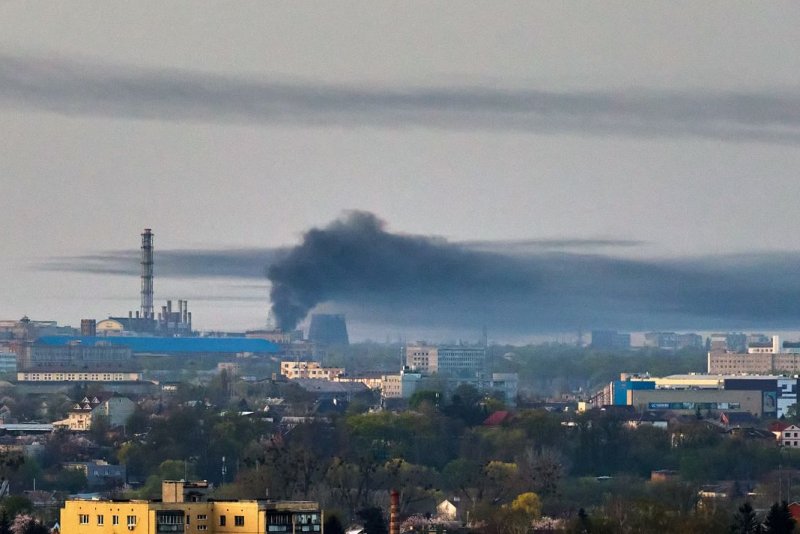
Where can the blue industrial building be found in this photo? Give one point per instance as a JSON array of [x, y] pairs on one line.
[[172, 345], [620, 389]]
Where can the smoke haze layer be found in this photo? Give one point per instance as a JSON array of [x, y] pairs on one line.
[[406, 279], [385, 279]]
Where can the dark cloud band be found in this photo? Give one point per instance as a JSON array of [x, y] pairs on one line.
[[87, 88]]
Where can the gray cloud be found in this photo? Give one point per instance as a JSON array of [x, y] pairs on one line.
[[87, 88]]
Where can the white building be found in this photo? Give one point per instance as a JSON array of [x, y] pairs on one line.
[[453, 360], [791, 437]]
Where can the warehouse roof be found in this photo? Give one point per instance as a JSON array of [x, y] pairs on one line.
[[152, 344]]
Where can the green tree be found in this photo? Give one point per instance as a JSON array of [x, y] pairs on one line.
[[374, 522], [779, 519], [70, 480], [333, 525], [745, 520], [542, 470], [425, 397], [529, 504], [14, 505], [5, 524]]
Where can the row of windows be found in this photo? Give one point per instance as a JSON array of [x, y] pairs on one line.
[[72, 376], [171, 519], [238, 520], [83, 519], [276, 521]]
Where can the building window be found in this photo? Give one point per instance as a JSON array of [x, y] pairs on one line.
[[115, 520], [99, 519], [202, 517], [222, 520], [131, 520], [238, 520], [202, 527], [83, 519]]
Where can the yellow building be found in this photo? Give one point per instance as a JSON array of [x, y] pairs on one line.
[[307, 369], [183, 509]]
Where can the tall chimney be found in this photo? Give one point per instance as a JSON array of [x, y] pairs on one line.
[[147, 274], [394, 512]]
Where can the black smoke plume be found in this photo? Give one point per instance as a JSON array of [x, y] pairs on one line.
[[416, 280]]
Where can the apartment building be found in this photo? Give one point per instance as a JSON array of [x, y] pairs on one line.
[[458, 361], [308, 369], [184, 508]]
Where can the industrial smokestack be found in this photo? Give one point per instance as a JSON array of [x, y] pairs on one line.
[[394, 512], [147, 274]]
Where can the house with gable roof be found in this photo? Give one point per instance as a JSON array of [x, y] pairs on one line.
[[115, 408]]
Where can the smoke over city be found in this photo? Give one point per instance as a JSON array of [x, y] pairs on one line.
[[405, 279], [383, 279]]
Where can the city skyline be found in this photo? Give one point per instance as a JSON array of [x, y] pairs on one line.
[[655, 133]]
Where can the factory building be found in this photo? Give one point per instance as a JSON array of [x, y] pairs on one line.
[[219, 346], [758, 395], [100, 356], [328, 329], [168, 322]]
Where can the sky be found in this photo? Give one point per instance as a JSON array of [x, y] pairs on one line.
[[661, 133]]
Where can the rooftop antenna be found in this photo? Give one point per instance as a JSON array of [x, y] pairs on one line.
[[147, 274]]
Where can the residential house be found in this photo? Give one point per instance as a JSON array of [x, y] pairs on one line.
[[116, 409], [790, 437]]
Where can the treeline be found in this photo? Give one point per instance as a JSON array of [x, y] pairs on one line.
[[440, 449]]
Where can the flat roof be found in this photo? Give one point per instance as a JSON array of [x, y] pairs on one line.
[[30, 427], [153, 344]]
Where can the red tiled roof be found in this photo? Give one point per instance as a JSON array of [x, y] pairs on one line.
[[497, 418]]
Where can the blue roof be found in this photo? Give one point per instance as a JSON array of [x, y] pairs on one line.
[[226, 345]]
